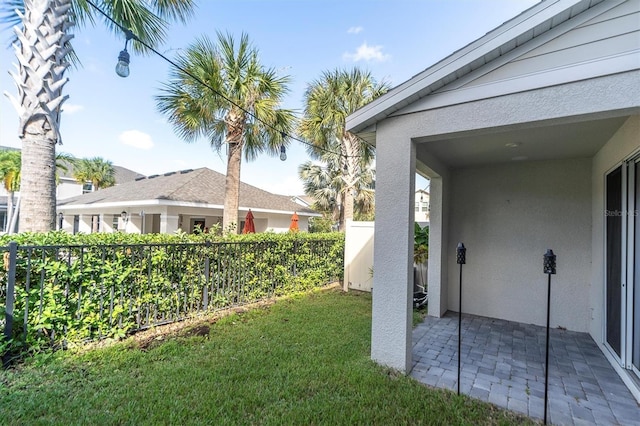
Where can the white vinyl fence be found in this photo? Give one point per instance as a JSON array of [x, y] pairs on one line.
[[358, 256]]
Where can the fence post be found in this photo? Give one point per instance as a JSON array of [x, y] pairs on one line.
[[11, 285], [207, 273]]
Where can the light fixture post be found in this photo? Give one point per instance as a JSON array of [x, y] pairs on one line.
[[461, 259], [549, 266]]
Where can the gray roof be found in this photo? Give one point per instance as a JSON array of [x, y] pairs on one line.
[[189, 186], [122, 174]]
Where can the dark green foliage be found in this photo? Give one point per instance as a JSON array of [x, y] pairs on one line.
[[75, 288], [420, 244]]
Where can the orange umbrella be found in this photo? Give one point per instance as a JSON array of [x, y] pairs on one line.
[[249, 226], [294, 223]]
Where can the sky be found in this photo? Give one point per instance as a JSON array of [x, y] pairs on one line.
[[116, 118]]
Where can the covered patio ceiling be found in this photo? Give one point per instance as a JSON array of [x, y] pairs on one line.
[[535, 143]]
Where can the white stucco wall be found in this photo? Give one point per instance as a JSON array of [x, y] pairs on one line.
[[393, 276], [624, 143], [507, 216]]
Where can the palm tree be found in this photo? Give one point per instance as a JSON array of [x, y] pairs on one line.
[[328, 102], [43, 51], [323, 181], [99, 172], [239, 109]]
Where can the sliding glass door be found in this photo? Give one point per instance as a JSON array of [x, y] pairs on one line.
[[622, 264], [636, 271], [613, 276]]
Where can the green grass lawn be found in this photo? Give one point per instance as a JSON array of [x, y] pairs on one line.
[[303, 360]]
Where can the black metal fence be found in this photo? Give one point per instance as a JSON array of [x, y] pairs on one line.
[[54, 294]]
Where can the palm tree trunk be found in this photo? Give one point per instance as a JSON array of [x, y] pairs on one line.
[[350, 148], [347, 209], [41, 52], [232, 189]]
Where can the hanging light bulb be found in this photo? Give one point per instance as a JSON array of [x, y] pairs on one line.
[[122, 67], [283, 153]]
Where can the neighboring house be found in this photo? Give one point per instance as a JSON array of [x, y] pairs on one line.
[[67, 186], [422, 207], [184, 200], [530, 137]]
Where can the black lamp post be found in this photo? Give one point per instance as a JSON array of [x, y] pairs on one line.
[[549, 267], [461, 259]]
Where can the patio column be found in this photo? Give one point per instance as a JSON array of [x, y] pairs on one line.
[[393, 249], [438, 249]]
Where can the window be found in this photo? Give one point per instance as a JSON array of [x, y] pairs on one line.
[[425, 206], [87, 187], [114, 222], [417, 206]]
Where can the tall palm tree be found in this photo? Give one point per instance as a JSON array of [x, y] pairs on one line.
[[328, 102], [43, 51], [241, 112], [323, 182]]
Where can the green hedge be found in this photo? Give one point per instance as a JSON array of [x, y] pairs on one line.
[[73, 288]]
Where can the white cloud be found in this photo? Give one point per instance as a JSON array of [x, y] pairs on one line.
[[72, 108], [355, 30], [136, 139], [367, 53]]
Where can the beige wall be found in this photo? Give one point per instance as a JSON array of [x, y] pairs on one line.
[[507, 216], [622, 145]]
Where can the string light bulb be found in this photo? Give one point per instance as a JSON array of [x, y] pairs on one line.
[[283, 153], [122, 67]]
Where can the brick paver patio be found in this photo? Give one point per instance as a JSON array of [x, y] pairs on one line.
[[503, 363]]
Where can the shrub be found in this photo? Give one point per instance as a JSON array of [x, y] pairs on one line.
[[74, 288]]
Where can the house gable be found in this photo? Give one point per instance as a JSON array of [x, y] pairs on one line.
[[602, 40], [512, 40]]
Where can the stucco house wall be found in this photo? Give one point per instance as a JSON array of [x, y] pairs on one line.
[[516, 131], [507, 215]]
